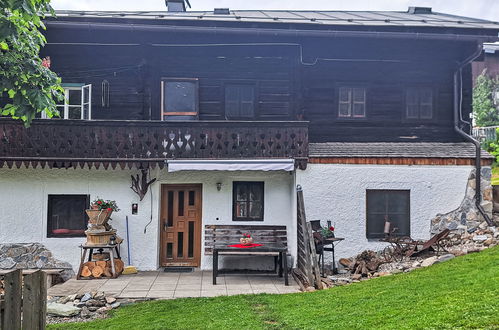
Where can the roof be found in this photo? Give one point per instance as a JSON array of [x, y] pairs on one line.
[[394, 150], [421, 18]]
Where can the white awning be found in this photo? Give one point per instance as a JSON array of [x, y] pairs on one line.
[[232, 165]]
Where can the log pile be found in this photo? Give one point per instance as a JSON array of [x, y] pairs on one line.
[[98, 269], [365, 263]]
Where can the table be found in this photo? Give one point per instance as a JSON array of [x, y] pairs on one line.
[[112, 249], [266, 249], [330, 241]]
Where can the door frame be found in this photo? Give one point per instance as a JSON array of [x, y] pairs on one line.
[[198, 231]]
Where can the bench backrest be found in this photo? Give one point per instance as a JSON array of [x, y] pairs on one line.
[[230, 234]]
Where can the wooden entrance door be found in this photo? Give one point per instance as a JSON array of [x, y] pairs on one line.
[[180, 225]]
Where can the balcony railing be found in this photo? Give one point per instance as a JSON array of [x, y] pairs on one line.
[[72, 143]]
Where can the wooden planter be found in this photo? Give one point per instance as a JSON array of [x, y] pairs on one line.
[[99, 238], [98, 218]]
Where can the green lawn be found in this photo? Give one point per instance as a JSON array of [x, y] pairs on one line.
[[495, 176], [461, 293]]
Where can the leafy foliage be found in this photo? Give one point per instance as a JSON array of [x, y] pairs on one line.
[[492, 147], [484, 110], [28, 86]]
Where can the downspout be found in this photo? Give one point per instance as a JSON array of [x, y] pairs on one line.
[[458, 89]]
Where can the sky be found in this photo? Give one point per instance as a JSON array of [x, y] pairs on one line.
[[485, 9]]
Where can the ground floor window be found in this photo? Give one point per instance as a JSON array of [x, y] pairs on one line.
[[66, 215], [247, 201], [388, 205]]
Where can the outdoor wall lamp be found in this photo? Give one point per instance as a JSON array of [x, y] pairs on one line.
[[219, 186]]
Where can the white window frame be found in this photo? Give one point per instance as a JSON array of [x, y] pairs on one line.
[[351, 102], [419, 104], [64, 108]]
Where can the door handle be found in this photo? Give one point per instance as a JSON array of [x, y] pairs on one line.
[[165, 226]]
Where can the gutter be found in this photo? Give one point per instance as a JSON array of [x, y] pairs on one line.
[[457, 119], [262, 32]]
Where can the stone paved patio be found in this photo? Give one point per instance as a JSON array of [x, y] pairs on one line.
[[160, 285]]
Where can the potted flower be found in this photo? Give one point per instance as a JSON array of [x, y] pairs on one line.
[[246, 239], [327, 232], [101, 211]]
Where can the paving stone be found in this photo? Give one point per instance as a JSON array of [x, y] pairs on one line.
[[160, 294], [187, 293]]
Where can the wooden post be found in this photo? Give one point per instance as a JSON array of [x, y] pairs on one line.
[[313, 255], [34, 301], [12, 303], [303, 256]]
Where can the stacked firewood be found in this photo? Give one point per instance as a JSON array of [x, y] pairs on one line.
[[365, 263], [98, 269]]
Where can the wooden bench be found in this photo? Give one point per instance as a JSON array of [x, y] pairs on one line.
[[230, 234], [51, 273]]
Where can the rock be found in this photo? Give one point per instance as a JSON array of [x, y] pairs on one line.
[[110, 300], [99, 295], [103, 309], [63, 300], [416, 264], [310, 289], [488, 242], [72, 297], [340, 279], [356, 277], [93, 308], [397, 271], [382, 274], [445, 257], [86, 297], [429, 261], [480, 238], [79, 304], [62, 309], [93, 302], [115, 305], [345, 262], [85, 313]]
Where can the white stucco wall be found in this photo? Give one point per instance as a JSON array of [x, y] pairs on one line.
[[23, 207], [338, 193]]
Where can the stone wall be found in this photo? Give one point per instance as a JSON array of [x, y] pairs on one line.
[[467, 216], [31, 256]]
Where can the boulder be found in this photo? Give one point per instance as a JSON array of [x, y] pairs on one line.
[[480, 238], [86, 297], [445, 257], [429, 261], [62, 310], [110, 300]]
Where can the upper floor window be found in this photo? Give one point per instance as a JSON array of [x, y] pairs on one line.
[[352, 102], [248, 201], [419, 103], [77, 102], [179, 97], [66, 215], [240, 101], [391, 206]]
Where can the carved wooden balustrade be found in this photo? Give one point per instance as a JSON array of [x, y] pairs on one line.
[[141, 144]]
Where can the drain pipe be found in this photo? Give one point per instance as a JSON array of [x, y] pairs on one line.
[[458, 89]]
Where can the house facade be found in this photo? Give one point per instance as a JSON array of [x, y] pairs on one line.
[[230, 110]]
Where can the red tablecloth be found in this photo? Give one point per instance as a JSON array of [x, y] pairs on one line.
[[244, 246]]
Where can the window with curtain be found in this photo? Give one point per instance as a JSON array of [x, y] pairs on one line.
[[389, 205], [352, 102], [66, 215], [248, 201], [419, 103]]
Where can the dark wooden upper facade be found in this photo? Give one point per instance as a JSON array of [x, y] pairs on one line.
[[303, 77]]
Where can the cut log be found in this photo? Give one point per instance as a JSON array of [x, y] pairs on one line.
[[108, 272], [97, 271], [90, 265], [85, 272], [118, 265], [101, 264]]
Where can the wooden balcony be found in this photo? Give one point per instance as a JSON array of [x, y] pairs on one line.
[[143, 144]]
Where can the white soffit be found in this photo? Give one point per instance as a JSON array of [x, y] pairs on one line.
[[232, 165]]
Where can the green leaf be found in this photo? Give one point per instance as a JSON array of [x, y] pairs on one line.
[[4, 46], [11, 93]]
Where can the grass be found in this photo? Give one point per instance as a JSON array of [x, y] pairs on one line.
[[495, 176], [462, 293]]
